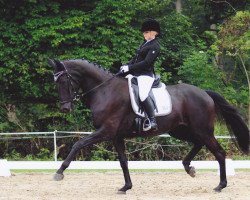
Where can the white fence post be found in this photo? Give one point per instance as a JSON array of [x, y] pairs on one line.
[[4, 168], [55, 147]]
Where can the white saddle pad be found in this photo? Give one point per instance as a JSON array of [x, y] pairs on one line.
[[162, 98]]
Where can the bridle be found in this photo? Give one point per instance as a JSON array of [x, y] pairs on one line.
[[76, 94], [70, 80]]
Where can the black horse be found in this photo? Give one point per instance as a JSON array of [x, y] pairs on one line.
[[192, 117]]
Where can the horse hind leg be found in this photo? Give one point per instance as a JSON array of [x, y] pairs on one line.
[[187, 160], [120, 148], [186, 133], [220, 155]]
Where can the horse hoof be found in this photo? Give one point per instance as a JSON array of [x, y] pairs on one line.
[[58, 177], [218, 189], [192, 172], [121, 192]]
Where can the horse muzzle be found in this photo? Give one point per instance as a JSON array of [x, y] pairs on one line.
[[67, 107]]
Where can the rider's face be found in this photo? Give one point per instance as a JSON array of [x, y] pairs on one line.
[[150, 35]]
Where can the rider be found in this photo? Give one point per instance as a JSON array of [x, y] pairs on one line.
[[142, 66]]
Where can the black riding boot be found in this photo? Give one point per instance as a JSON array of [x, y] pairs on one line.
[[149, 109]]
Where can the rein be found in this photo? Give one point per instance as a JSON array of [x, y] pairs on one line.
[[78, 96]]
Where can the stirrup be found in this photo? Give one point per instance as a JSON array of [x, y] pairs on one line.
[[146, 126]]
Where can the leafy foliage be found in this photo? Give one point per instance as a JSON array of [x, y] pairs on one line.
[[176, 47], [234, 44], [234, 34], [198, 70]]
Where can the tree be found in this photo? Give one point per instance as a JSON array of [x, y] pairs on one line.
[[206, 15], [198, 70], [178, 41], [234, 41]]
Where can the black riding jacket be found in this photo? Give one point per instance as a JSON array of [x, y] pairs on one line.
[[143, 62]]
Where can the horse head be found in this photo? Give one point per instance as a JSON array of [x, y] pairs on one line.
[[64, 84]]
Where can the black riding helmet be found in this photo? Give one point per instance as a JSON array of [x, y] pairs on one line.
[[151, 25]]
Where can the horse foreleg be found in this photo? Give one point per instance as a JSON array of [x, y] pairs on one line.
[[187, 160], [120, 148], [86, 141]]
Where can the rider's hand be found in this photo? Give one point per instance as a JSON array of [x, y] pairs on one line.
[[124, 69]]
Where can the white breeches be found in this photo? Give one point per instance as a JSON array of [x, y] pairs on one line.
[[144, 83]]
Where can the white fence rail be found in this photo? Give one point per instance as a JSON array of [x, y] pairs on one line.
[[235, 164]]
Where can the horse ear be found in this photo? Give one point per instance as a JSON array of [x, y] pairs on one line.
[[52, 63], [56, 64]]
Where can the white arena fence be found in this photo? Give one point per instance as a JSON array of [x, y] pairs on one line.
[[231, 165]]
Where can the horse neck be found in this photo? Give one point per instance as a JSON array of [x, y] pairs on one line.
[[94, 76], [88, 75]]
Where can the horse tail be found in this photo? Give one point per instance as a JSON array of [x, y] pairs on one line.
[[234, 121]]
